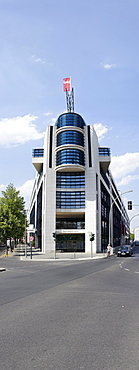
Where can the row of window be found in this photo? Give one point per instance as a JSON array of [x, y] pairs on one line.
[[103, 211], [61, 224], [70, 119], [70, 179], [70, 137], [104, 151], [37, 153], [68, 243], [70, 199], [103, 196], [70, 156]]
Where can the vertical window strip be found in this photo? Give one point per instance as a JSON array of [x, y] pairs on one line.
[[89, 147], [50, 147]]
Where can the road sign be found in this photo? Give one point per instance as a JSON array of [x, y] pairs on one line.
[[31, 238]]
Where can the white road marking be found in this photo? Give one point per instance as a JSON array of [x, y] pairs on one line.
[[120, 265]]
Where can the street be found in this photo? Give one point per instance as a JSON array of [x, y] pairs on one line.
[[70, 315]]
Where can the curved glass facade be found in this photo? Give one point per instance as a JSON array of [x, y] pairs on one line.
[[70, 119], [70, 137], [70, 179], [70, 156]]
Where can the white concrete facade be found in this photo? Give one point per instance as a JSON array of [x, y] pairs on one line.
[[136, 233]]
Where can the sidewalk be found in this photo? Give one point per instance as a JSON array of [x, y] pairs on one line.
[[39, 256]]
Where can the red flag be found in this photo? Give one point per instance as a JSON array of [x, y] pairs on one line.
[[67, 84]]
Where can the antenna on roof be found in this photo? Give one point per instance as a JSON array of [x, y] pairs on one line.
[[69, 94]]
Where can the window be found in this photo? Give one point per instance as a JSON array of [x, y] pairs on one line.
[[70, 156], [70, 137], [70, 119], [75, 199], [70, 179], [68, 223]]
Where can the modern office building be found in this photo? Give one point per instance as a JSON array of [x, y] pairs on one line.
[[74, 194]]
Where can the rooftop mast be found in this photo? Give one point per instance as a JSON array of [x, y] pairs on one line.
[[69, 94]]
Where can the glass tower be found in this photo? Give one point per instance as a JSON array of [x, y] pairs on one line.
[[70, 182]]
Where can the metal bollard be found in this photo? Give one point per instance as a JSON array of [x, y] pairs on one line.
[[26, 251]]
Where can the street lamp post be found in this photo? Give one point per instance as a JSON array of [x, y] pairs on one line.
[[134, 216], [129, 191]]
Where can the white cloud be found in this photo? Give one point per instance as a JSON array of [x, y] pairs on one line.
[[52, 121], [37, 60], [47, 114], [123, 165], [108, 66], [2, 187], [42, 61], [100, 130], [25, 190], [127, 179], [18, 130]]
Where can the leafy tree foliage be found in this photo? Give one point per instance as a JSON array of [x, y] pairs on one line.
[[131, 236], [12, 214]]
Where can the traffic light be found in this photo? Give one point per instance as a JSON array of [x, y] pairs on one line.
[[129, 205], [54, 235], [92, 237]]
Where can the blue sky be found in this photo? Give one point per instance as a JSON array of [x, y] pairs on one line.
[[94, 42]]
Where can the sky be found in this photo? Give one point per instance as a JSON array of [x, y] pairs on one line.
[[94, 42]]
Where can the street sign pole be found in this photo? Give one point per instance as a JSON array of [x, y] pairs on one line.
[[31, 238], [54, 236], [31, 250]]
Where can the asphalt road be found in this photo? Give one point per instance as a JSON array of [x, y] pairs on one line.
[[70, 315]]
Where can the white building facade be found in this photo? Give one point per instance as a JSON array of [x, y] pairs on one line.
[[136, 233], [74, 190]]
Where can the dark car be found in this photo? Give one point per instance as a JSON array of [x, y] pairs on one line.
[[2, 245], [136, 243], [125, 251]]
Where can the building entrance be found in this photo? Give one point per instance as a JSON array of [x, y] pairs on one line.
[[70, 243]]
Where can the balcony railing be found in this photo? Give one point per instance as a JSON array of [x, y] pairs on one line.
[[37, 153], [104, 151]]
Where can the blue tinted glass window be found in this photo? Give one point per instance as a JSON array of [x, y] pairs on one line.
[[70, 119], [70, 179], [70, 156], [70, 137], [70, 199], [37, 152]]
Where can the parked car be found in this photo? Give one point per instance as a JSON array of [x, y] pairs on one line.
[[136, 243], [126, 251], [2, 245]]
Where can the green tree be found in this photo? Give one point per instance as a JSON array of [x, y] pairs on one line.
[[12, 214], [131, 236]]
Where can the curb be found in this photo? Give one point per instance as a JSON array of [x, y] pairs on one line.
[[60, 259]]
